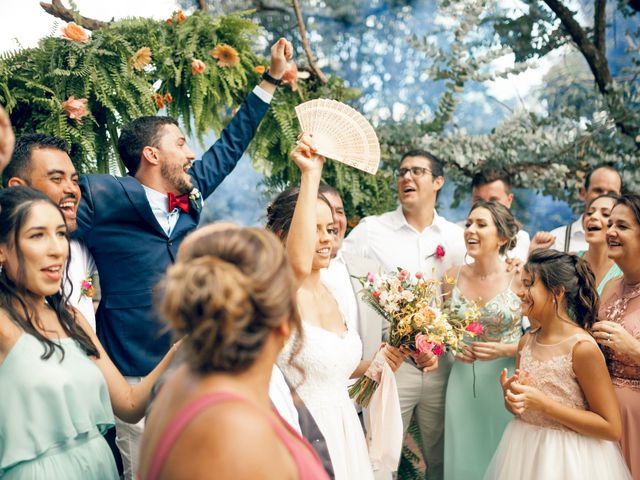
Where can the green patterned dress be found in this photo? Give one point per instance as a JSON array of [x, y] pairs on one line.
[[475, 416]]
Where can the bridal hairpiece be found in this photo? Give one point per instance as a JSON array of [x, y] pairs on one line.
[[341, 133]]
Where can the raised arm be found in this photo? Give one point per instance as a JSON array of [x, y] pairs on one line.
[[301, 240], [223, 156]]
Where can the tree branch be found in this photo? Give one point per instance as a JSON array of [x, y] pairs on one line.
[[305, 44], [262, 6], [599, 26], [594, 57], [202, 5], [58, 10]]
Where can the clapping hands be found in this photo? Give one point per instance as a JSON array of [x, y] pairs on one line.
[[518, 395]]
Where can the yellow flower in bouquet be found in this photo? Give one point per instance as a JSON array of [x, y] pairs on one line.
[[419, 319]]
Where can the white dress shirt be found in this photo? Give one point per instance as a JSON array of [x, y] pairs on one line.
[[393, 243], [81, 267], [577, 242], [336, 278]]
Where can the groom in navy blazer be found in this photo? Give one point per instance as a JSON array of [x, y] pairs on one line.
[[134, 225]]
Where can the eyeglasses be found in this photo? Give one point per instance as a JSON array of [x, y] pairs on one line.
[[415, 171]]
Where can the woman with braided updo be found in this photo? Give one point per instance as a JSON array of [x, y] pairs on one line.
[[231, 294]]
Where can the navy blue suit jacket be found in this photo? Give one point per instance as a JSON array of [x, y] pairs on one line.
[[132, 251]]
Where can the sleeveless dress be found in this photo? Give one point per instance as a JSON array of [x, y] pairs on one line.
[[535, 446], [328, 360], [304, 456], [613, 272], [624, 308], [53, 414], [475, 421]]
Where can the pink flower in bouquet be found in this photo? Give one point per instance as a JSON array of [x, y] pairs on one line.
[[422, 344], [419, 275], [370, 277], [438, 350], [403, 275], [475, 328], [377, 294], [76, 108]]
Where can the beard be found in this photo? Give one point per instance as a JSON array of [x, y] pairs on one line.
[[177, 178]]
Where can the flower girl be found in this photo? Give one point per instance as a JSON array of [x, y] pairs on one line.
[[567, 420]]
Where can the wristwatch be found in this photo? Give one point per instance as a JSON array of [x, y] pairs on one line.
[[270, 79]]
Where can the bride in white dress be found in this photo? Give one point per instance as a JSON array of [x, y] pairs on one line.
[[329, 355]]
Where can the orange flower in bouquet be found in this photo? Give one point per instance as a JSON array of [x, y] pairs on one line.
[[226, 55], [419, 319], [75, 32]]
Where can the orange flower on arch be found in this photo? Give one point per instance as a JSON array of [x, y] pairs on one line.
[[158, 99], [197, 66], [141, 58], [180, 16], [226, 55], [290, 76], [168, 98], [75, 32], [75, 108], [260, 69]]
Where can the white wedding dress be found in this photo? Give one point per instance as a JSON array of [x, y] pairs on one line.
[[328, 360]]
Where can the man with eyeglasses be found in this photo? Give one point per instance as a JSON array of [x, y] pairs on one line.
[[409, 237]]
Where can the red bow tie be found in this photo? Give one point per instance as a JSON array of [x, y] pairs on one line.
[[181, 202]]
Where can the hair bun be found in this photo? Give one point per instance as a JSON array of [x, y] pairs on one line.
[[227, 294]]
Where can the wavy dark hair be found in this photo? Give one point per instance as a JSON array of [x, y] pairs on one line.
[[280, 211], [558, 270], [16, 204], [506, 224]]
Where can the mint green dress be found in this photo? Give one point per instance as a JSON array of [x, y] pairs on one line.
[[475, 421], [613, 272], [53, 414]]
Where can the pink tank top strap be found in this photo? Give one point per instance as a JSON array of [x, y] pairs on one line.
[[178, 424], [304, 456], [307, 461]]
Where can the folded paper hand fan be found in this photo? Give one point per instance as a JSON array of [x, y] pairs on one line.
[[340, 133]]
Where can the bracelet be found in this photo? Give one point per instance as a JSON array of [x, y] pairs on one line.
[[270, 79]]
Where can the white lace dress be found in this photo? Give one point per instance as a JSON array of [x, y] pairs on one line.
[[328, 360], [535, 446]]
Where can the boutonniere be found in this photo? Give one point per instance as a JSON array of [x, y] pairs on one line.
[[195, 197], [86, 287], [438, 254]]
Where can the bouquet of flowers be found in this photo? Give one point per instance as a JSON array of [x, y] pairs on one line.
[[418, 319]]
